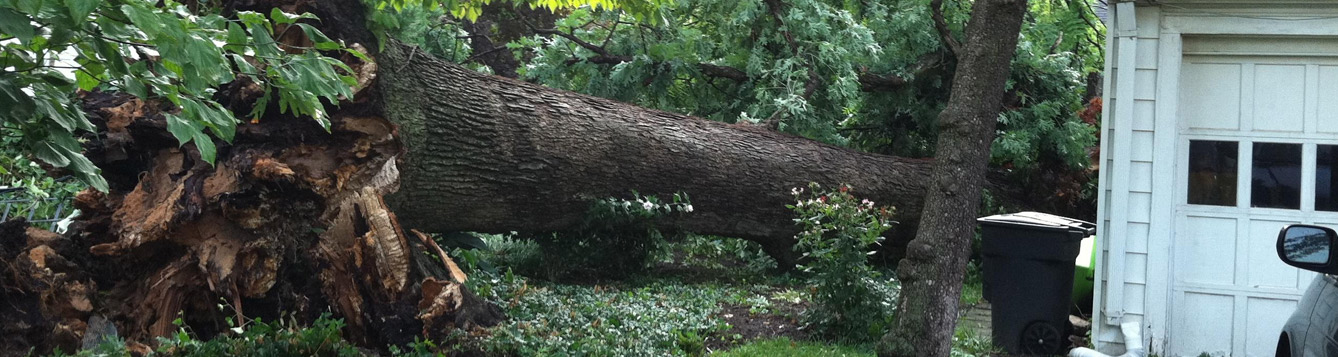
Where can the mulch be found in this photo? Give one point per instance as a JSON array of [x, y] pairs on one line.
[[781, 321]]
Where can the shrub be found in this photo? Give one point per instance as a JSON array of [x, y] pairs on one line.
[[500, 253], [733, 256], [616, 238], [850, 298]]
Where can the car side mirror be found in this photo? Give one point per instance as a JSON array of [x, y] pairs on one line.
[[1309, 247]]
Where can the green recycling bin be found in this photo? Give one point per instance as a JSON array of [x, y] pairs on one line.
[[1084, 278], [1029, 270]]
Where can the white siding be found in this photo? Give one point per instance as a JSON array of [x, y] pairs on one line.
[[1136, 178]]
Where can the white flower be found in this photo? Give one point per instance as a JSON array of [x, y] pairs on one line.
[[688, 208], [646, 205]]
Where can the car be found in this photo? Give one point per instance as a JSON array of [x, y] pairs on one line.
[[1313, 329]]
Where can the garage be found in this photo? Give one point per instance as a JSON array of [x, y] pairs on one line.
[[1221, 127]]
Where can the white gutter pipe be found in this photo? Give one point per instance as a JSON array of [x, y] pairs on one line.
[[1127, 26], [1133, 343]]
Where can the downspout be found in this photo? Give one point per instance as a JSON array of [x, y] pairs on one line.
[[1127, 26], [1133, 343]]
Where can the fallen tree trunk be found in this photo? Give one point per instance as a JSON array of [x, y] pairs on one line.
[[490, 154]]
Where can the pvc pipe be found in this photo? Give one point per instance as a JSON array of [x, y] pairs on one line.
[[1133, 343]]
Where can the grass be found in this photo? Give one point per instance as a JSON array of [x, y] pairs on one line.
[[967, 342], [783, 347], [973, 291]]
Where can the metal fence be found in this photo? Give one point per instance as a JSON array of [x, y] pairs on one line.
[[44, 212]]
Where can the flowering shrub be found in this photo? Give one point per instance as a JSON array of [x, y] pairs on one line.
[[850, 299], [616, 238], [639, 206]]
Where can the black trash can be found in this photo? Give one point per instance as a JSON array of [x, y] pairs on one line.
[[1029, 278]]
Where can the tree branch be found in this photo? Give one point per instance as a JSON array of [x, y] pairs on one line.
[[941, 24], [577, 40], [484, 53]]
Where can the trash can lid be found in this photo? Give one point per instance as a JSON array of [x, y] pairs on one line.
[[1042, 221]]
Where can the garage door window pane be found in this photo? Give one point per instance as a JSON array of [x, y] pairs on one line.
[[1212, 172], [1326, 185], [1276, 181]]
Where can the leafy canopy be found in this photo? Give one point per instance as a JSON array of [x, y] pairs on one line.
[[171, 52]]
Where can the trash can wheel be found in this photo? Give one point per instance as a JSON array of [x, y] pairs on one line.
[[1041, 338]]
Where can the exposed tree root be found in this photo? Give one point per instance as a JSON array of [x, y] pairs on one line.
[[290, 220]]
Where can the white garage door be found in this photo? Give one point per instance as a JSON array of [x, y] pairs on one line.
[[1257, 150]]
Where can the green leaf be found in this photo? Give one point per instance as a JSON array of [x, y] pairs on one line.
[[243, 66], [204, 66], [318, 39], [16, 24], [29, 6], [262, 41], [251, 18], [60, 36], [65, 118], [111, 56], [86, 172], [359, 55], [181, 128], [79, 9], [50, 153], [222, 122], [206, 147], [85, 80], [145, 19], [281, 17], [133, 86], [258, 110], [236, 39], [56, 79], [20, 104]]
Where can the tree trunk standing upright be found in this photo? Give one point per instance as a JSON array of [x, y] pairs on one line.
[[931, 273]]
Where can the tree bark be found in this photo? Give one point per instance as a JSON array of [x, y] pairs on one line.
[[931, 273], [490, 154]]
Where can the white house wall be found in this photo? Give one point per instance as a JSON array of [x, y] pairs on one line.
[[1132, 176]]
